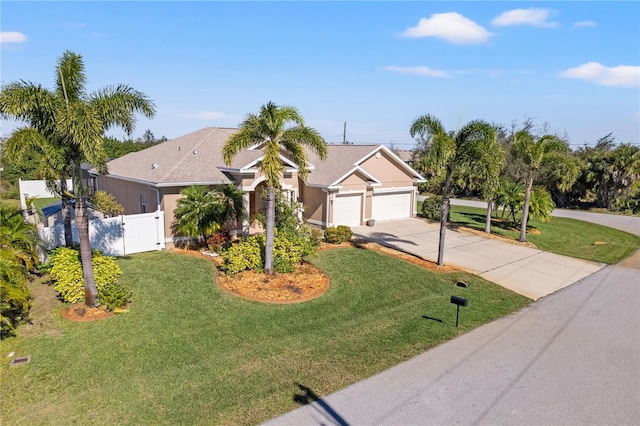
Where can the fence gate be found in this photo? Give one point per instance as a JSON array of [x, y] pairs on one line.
[[143, 232]]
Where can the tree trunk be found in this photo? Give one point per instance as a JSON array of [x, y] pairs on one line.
[[444, 214], [82, 222], [487, 226], [271, 224], [525, 211], [66, 212]]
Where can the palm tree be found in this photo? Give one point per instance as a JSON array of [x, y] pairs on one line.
[[448, 150], [73, 123], [201, 211], [532, 153], [275, 129], [510, 196], [541, 204], [18, 255], [33, 104], [484, 161]]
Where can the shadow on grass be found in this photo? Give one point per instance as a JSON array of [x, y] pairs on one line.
[[477, 221], [432, 318], [385, 238], [308, 396]]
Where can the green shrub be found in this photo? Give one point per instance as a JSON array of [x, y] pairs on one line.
[[114, 295], [337, 235], [431, 208], [65, 269], [288, 251], [243, 255]]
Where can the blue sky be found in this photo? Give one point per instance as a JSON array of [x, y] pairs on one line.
[[374, 65]]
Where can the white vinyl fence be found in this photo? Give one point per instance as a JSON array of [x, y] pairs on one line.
[[35, 188], [115, 236]]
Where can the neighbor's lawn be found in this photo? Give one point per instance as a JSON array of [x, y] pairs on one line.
[[188, 353], [39, 203], [570, 237]]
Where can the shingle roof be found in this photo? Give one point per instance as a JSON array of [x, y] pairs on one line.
[[340, 160], [197, 158], [188, 159]]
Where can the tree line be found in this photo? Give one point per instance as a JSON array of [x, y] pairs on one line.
[[605, 174]]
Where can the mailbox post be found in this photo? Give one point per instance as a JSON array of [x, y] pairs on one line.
[[458, 301]]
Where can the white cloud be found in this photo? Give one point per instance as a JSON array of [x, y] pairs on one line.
[[12, 37], [450, 26], [582, 24], [532, 16], [420, 71], [621, 75]]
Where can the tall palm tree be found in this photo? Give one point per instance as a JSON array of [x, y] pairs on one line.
[[484, 160], [533, 152], [275, 129], [33, 104], [74, 122], [447, 150]]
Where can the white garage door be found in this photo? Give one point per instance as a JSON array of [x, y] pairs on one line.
[[391, 206], [347, 210]]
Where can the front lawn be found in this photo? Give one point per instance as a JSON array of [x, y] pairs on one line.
[[569, 237], [189, 353]]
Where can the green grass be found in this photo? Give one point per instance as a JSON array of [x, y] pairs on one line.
[[39, 203], [565, 236], [188, 353], [10, 202]]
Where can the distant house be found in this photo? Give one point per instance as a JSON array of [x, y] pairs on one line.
[[405, 155], [355, 183]]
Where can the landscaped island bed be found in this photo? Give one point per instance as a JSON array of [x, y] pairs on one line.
[[187, 352]]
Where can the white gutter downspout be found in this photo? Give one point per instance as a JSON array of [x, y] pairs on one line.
[[326, 219], [157, 197]]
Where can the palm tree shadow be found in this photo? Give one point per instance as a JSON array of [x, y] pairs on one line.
[[309, 397], [386, 239]]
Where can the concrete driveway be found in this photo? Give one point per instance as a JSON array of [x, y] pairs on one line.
[[527, 271]]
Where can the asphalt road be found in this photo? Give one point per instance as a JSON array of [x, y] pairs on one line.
[[570, 358]]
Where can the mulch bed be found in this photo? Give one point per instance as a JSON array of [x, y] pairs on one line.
[[81, 312], [305, 283]]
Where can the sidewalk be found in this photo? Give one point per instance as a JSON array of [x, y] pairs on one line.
[[527, 271]]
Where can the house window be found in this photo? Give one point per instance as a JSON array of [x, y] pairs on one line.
[[143, 205]]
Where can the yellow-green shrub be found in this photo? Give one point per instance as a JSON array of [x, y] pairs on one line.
[[288, 251], [246, 254], [337, 235], [66, 273]]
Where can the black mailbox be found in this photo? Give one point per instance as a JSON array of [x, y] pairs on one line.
[[457, 300]]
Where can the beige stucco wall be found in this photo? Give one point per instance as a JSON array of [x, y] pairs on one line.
[[129, 194], [314, 200], [388, 171], [246, 181], [354, 182]]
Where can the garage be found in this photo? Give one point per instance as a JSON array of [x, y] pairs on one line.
[[391, 205], [347, 210]]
